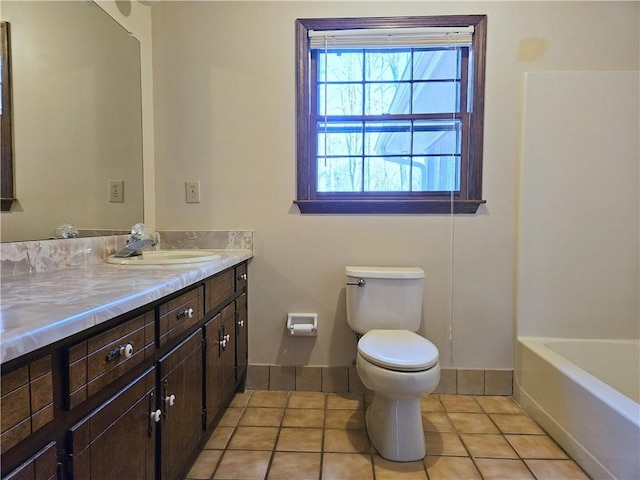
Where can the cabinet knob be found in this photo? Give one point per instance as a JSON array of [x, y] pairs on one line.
[[187, 312], [126, 350], [241, 323], [242, 277], [155, 416], [171, 400]]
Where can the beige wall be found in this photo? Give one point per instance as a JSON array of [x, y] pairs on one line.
[[224, 115]]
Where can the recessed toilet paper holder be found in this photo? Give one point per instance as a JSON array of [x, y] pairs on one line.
[[302, 324]]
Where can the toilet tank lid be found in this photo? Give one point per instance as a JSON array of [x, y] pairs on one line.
[[384, 272]]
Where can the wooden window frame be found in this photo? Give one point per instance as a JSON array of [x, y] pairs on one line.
[[467, 200]]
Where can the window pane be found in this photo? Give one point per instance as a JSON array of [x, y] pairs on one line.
[[433, 137], [386, 98], [342, 139], [390, 174], [436, 64], [388, 65], [387, 138], [343, 66], [341, 99], [339, 174], [436, 174], [436, 97]]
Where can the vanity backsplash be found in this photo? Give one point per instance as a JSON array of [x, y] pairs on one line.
[[18, 258]]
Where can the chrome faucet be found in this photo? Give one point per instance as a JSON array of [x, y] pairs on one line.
[[138, 239]]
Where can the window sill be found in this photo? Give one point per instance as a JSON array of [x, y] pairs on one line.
[[383, 207]]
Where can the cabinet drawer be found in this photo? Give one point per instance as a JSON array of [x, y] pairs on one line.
[[181, 313], [102, 359], [219, 289], [241, 277], [26, 401]]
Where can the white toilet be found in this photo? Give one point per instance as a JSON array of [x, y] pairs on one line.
[[384, 305]]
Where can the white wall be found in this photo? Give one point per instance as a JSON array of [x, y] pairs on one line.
[[225, 115], [579, 241]]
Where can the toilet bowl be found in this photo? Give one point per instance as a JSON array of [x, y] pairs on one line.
[[399, 367]]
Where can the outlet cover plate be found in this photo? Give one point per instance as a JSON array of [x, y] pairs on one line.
[[116, 191], [192, 191]]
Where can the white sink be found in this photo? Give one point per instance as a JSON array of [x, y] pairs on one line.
[[167, 257]]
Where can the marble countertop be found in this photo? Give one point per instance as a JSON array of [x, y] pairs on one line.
[[39, 309]]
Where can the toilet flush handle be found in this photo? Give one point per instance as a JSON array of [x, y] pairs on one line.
[[360, 283]]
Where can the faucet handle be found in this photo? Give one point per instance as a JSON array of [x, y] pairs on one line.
[[139, 232]]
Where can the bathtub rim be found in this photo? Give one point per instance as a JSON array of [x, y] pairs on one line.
[[617, 401]]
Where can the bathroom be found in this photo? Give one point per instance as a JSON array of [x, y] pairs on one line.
[[219, 107]]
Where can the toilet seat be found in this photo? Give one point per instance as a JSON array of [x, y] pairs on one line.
[[399, 350]]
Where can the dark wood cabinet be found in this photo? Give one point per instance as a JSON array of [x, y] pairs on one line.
[[180, 374], [118, 440], [132, 398]]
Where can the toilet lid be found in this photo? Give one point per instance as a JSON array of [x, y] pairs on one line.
[[400, 350]]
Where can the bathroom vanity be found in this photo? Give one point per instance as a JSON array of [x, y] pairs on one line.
[[127, 389]]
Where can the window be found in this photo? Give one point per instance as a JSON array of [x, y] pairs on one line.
[[390, 114]]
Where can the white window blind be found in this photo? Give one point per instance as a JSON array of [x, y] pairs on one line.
[[390, 37]]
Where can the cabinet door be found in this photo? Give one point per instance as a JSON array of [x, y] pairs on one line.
[[181, 403], [241, 337], [118, 440], [213, 367], [228, 353], [42, 466]]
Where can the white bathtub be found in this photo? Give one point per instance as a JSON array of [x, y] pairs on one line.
[[585, 393]]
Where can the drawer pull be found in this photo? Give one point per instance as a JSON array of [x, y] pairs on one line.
[[155, 416], [187, 312], [171, 400], [242, 277], [125, 351]]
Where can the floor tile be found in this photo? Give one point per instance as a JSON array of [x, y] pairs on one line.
[[499, 404], [300, 440], [241, 399], [450, 468], [306, 400], [491, 446], [205, 465], [219, 438], [436, 422], [266, 398], [556, 470], [431, 403], [388, 470], [346, 466], [441, 443], [460, 403], [509, 423], [231, 417], [472, 423], [502, 469], [346, 441], [350, 401], [294, 465], [535, 446], [253, 438], [345, 419], [261, 417], [303, 417], [246, 465]]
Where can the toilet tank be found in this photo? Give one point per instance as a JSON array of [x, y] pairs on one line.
[[391, 298]]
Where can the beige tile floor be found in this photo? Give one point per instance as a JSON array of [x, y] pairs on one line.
[[309, 435]]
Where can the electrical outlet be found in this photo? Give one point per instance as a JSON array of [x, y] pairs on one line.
[[192, 191], [116, 191]]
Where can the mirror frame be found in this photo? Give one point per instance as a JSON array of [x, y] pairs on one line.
[[6, 122]]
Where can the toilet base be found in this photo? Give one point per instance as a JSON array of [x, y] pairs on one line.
[[395, 428]]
